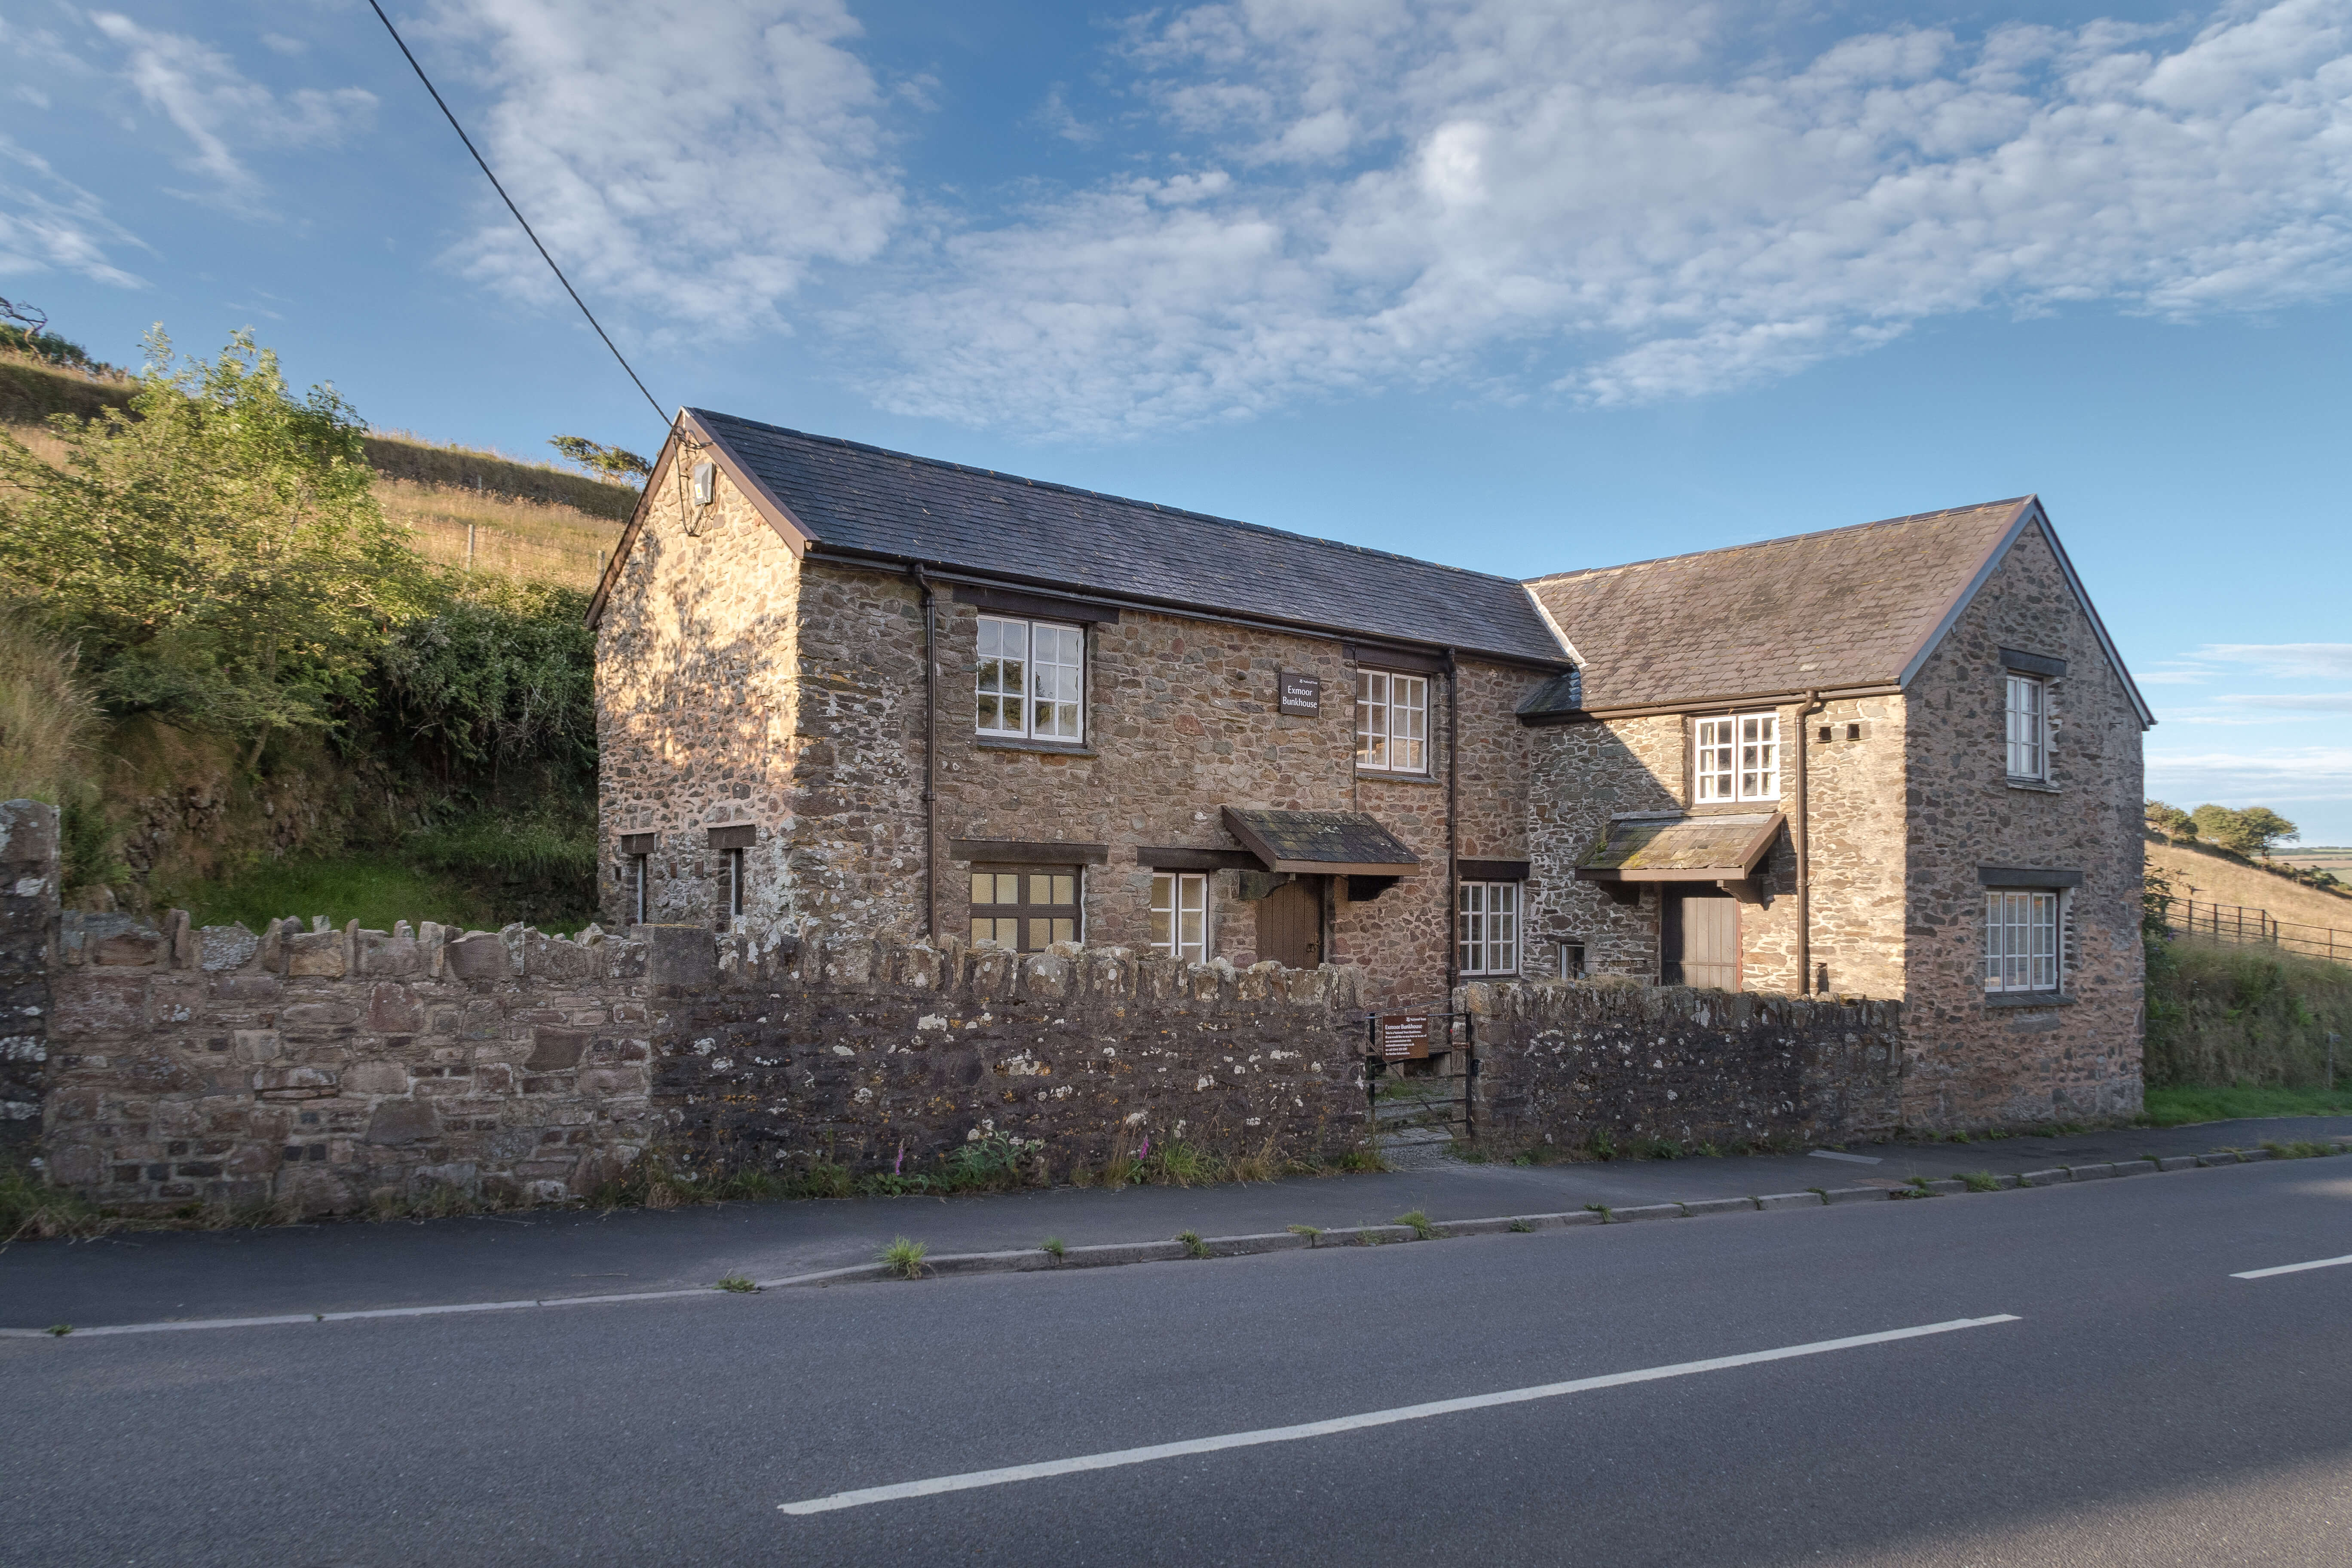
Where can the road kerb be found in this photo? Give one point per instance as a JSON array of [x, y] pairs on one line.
[[1114, 1254]]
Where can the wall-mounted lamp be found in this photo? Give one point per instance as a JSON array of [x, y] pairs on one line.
[[706, 483]]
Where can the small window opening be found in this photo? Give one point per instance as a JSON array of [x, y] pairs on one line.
[[732, 893], [638, 880], [1853, 732]]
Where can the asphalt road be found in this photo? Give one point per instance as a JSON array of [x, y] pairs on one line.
[[2143, 1408], [348, 1265]]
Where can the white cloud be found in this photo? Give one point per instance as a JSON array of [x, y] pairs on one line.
[[2301, 702], [1615, 203], [2266, 777], [689, 155], [220, 110], [46, 222], [2320, 660]]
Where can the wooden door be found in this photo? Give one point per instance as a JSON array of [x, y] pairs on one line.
[[1701, 940], [1290, 924]]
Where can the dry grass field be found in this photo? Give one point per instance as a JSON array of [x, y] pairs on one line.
[[2221, 881]]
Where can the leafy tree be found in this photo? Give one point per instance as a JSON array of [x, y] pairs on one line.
[[2220, 826], [216, 552], [2253, 831], [611, 462], [2171, 822], [2266, 829]]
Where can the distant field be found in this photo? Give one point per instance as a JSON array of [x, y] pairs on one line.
[[2221, 881], [2319, 858]]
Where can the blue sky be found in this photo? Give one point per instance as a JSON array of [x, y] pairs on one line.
[[1516, 286]]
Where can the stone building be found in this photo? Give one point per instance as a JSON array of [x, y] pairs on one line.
[[887, 694]]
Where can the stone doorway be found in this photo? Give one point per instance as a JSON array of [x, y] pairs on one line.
[[1290, 924], [1699, 944]]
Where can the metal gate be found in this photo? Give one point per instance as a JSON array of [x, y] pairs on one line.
[[1418, 1070]]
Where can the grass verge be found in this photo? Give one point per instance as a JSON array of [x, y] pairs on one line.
[[2178, 1106]]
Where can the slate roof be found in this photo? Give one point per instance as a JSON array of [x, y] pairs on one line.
[[1654, 849], [1848, 606], [1320, 841], [864, 500]]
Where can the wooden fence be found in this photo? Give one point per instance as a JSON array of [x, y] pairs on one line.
[[2236, 924]]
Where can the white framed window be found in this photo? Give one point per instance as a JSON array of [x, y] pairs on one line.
[[2020, 939], [1736, 757], [1031, 680], [1180, 915], [638, 877], [1392, 722], [1487, 928], [2028, 726]]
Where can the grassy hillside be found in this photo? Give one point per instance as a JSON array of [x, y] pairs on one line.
[[531, 521], [231, 651], [2222, 880]]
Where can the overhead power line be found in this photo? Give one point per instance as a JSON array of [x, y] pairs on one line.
[[660, 412]]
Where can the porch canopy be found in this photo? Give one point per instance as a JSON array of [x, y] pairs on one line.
[[1671, 847], [1330, 843]]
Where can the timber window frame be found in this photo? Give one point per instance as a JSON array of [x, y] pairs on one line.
[[1180, 915], [1486, 928], [1036, 906], [1736, 757], [2025, 941], [1391, 722], [2025, 725], [1029, 679], [640, 875]]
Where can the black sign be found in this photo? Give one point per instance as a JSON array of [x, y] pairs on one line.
[[1302, 695]]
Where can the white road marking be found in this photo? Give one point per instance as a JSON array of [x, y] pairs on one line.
[[1849, 1159], [1118, 1457], [2291, 1268]]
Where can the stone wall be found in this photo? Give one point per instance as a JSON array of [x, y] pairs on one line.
[[1559, 1062], [327, 1068], [874, 1051], [28, 919], [1975, 1061]]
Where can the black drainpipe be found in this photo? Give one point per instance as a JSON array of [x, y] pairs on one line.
[[931, 756], [1801, 840], [1453, 827]]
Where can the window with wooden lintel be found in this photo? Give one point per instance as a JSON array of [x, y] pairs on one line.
[[1736, 757], [2021, 939], [1025, 908], [1392, 722], [1030, 680], [1180, 915], [1487, 928], [2026, 711]]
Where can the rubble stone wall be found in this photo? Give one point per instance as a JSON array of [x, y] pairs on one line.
[[28, 919], [331, 1068], [1559, 1062]]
